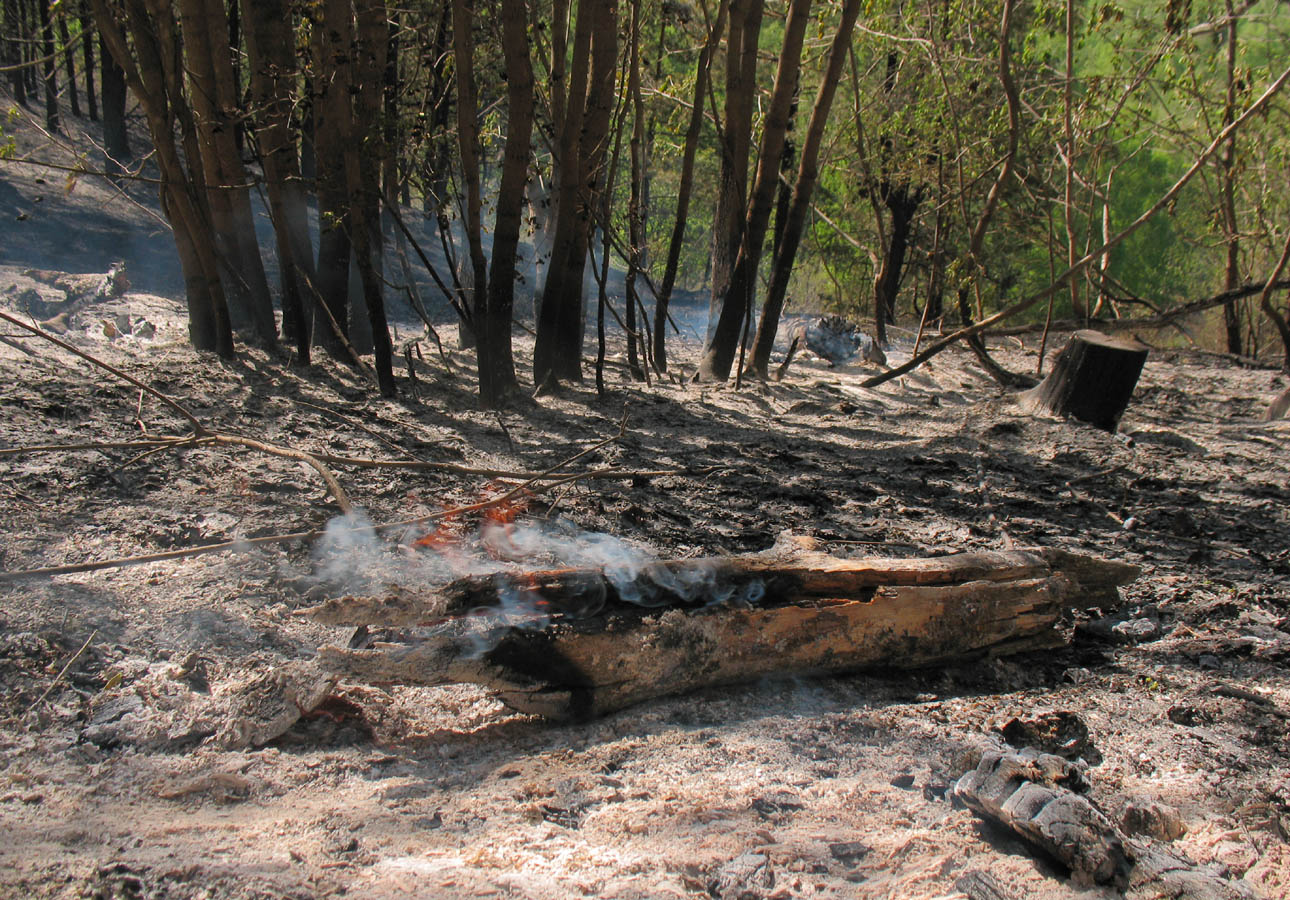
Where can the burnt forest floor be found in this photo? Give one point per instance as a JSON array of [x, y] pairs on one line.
[[115, 685]]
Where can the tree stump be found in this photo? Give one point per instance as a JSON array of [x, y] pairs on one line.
[[1092, 380]]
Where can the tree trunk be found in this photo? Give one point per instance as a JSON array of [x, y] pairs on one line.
[[87, 57], [364, 151], [15, 34], [1227, 167], [902, 201], [799, 207], [116, 139], [737, 304], [49, 65], [635, 204], [332, 45], [1091, 380], [69, 54], [736, 142], [685, 189], [463, 19], [557, 352], [269, 43], [495, 359], [157, 83], [210, 77]]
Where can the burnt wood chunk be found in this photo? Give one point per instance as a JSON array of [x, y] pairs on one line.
[[1091, 380], [584, 644]]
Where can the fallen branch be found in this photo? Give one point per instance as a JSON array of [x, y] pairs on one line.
[[1081, 264], [63, 671]]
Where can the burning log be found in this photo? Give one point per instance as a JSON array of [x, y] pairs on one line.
[[583, 642]]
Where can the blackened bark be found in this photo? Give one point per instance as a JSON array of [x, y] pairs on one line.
[[69, 54], [331, 48], [87, 57], [273, 72], [736, 306], [116, 139], [800, 205], [49, 65], [686, 186], [495, 357], [15, 34]]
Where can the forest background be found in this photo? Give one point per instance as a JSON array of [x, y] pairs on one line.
[[921, 164]]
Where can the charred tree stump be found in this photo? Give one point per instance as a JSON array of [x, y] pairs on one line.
[[1092, 380]]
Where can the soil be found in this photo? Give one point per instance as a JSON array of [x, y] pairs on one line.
[[123, 691]]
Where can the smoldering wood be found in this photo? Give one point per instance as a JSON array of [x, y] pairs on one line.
[[569, 643], [1091, 380]]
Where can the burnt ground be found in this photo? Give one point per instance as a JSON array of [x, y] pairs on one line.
[[116, 686]]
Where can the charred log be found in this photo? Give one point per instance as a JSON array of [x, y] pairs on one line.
[[579, 642]]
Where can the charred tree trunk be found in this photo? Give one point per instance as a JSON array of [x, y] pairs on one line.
[[14, 36], [1227, 166], [495, 358], [214, 98], [463, 18], [69, 54], [49, 65], [800, 205], [269, 43], [364, 152], [116, 139], [902, 202], [557, 353], [735, 144], [87, 58], [158, 84], [737, 305], [1091, 380], [686, 187], [332, 45], [636, 202]]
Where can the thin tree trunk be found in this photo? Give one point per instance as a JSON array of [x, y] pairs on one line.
[[49, 65], [69, 53], [799, 207], [87, 57], [685, 189], [116, 139], [364, 153], [635, 210], [736, 307], [273, 72], [331, 49], [210, 77], [495, 358], [557, 352], [1227, 165], [15, 34], [463, 17], [736, 143]]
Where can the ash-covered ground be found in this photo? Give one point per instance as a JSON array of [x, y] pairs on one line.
[[119, 688]]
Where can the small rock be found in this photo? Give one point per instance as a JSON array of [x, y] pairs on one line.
[[1155, 819], [1136, 630], [904, 782], [849, 852]]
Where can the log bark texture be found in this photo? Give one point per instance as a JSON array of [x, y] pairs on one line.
[[575, 643], [1091, 380]]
